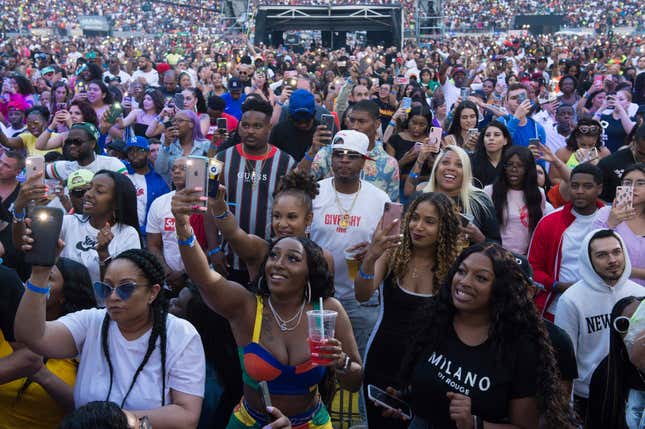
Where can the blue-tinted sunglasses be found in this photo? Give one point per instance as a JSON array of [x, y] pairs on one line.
[[103, 290]]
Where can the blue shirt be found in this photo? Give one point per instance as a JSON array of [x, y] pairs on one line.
[[168, 154], [234, 107], [522, 134]]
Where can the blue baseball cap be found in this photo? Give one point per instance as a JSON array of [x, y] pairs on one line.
[[234, 84], [138, 141], [302, 105]]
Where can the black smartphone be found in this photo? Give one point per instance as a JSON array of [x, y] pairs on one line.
[[178, 101], [266, 398], [328, 121], [46, 223], [221, 125], [466, 219], [167, 124], [115, 111], [384, 399]]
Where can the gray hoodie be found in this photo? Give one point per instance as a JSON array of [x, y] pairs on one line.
[[584, 312]]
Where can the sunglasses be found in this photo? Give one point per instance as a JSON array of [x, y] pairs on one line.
[[78, 193], [353, 156], [75, 142], [621, 324], [589, 129], [103, 290]]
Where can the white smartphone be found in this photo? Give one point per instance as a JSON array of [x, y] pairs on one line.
[[197, 174], [34, 165], [384, 399]]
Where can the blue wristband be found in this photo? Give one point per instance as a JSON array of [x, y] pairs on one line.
[[189, 242], [308, 158], [392, 124], [222, 215], [214, 251], [413, 175], [365, 275], [36, 289]]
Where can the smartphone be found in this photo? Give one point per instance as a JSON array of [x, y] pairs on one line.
[[34, 165], [178, 101], [46, 223], [535, 142], [328, 121], [222, 125], [215, 168], [417, 147], [465, 93], [435, 138], [401, 80], [598, 80], [406, 103], [384, 399], [115, 111], [466, 219], [473, 131], [591, 154], [196, 174], [392, 211], [521, 97], [265, 397], [61, 106], [375, 81], [292, 82], [624, 196]]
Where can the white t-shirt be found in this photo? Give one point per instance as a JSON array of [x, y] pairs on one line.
[[80, 239], [124, 76], [161, 221], [141, 187], [62, 169], [152, 77], [329, 235], [185, 363], [450, 93]]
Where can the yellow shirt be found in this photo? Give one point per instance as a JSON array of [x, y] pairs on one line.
[[30, 144], [36, 409]]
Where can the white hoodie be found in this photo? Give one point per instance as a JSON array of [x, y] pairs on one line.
[[584, 311]]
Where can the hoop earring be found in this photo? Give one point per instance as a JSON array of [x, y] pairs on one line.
[[308, 293], [260, 279]]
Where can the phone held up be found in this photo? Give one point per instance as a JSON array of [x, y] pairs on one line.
[[46, 223], [197, 175], [33, 165], [625, 196], [392, 212]]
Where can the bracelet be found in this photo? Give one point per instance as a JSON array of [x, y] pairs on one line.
[[189, 242], [157, 118], [364, 275], [347, 363], [413, 175], [105, 261], [49, 130], [392, 124], [308, 157], [214, 251], [478, 422], [41, 290], [222, 215]]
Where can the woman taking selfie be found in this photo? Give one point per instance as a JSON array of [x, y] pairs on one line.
[[451, 175], [463, 130], [77, 112], [140, 119], [291, 215], [519, 201], [486, 161], [269, 327], [132, 352], [617, 389], [411, 273], [47, 392], [107, 227], [482, 357]]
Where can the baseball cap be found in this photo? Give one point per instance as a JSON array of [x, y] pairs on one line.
[[138, 141], [526, 269], [458, 69], [89, 128], [351, 140], [79, 178], [234, 84], [302, 105], [117, 145], [48, 69]]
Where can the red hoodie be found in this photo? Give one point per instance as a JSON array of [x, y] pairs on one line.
[[545, 253]]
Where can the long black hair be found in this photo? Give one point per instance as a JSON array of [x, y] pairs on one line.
[[419, 111], [201, 101], [154, 273], [532, 195], [480, 147], [455, 124], [77, 286], [619, 371], [320, 278], [513, 316], [107, 96]]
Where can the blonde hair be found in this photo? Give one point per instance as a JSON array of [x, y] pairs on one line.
[[471, 199]]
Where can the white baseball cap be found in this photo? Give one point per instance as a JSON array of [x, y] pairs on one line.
[[351, 140]]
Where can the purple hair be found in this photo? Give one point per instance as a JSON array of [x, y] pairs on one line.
[[197, 129]]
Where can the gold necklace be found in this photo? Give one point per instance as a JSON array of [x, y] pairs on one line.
[[255, 175], [428, 267], [345, 219]]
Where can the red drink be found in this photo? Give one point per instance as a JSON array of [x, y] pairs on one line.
[[314, 347]]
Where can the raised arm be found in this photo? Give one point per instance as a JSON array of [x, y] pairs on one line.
[[375, 262], [229, 299], [11, 142]]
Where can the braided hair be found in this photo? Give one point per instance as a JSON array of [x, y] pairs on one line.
[[512, 316], [154, 273]]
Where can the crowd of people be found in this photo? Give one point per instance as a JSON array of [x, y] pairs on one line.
[[471, 212]]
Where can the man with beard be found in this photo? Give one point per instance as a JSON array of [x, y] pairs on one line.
[[584, 309], [147, 182], [146, 74], [78, 150]]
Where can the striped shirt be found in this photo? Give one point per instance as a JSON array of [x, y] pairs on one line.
[[250, 182]]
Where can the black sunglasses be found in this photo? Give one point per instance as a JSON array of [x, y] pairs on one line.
[[350, 155], [75, 142], [78, 193], [103, 290]]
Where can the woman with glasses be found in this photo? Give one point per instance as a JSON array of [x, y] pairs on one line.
[[628, 219], [583, 145], [44, 393], [78, 111], [183, 138], [617, 388], [107, 227], [132, 352], [519, 201]]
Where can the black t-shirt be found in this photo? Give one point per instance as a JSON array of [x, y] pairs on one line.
[[565, 357], [483, 170], [291, 139], [474, 372], [11, 290], [386, 111], [612, 168]]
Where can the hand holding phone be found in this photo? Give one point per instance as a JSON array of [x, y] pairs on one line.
[[222, 126], [624, 196], [197, 177], [392, 212], [34, 165], [384, 399], [46, 224], [265, 396]]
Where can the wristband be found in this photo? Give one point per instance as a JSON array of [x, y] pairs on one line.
[[308, 157], [364, 275], [49, 130], [221, 216], [41, 290], [214, 251], [413, 175], [189, 242], [392, 124]]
